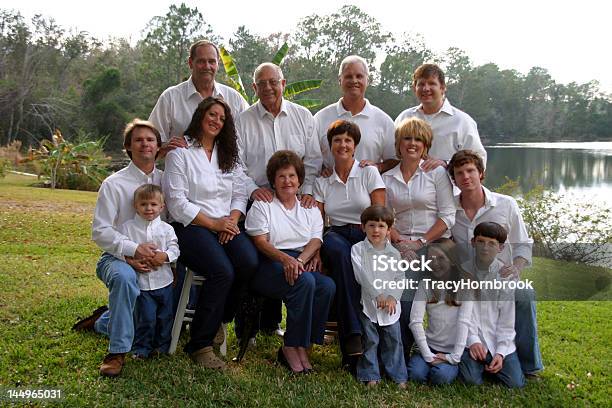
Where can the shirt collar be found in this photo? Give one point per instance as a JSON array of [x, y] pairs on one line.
[[335, 178], [135, 171], [261, 110], [446, 108], [490, 199], [369, 247], [191, 89], [366, 111], [141, 222], [192, 142], [396, 172]]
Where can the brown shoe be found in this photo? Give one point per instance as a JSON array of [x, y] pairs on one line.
[[205, 357], [352, 345], [87, 324], [112, 365]]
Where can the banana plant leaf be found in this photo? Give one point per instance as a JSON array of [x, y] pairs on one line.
[[232, 71], [308, 103], [296, 88], [280, 54]]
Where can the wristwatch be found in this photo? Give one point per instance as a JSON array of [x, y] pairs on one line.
[[300, 260], [423, 241]]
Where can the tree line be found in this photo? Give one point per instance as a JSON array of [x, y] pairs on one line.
[[52, 78]]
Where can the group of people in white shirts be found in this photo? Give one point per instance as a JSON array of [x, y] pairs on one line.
[[272, 200]]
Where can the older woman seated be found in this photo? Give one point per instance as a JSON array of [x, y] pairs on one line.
[[288, 236]]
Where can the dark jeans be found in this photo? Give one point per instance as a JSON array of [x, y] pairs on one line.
[[307, 301], [227, 268], [336, 252], [153, 318]]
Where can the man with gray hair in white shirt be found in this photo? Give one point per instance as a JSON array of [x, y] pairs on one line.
[[453, 129], [377, 145], [122, 256], [272, 124], [174, 108]]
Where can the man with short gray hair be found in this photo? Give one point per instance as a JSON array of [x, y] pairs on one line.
[[272, 124], [174, 108], [377, 145]]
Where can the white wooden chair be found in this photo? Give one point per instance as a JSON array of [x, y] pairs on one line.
[[186, 315]]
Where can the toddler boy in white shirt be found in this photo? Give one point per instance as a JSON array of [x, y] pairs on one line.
[[153, 311], [491, 346], [381, 307]]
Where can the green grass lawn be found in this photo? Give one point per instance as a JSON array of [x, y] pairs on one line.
[[47, 276]]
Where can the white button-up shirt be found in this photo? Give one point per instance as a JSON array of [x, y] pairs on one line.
[[192, 183], [344, 203], [447, 326], [161, 234], [492, 322], [503, 210], [362, 257], [419, 202], [260, 135], [115, 206], [376, 127], [174, 109], [288, 229], [453, 130]]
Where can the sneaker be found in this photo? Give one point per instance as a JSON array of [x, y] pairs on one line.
[[112, 364], [87, 324], [353, 346]]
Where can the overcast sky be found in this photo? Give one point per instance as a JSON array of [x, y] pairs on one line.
[[570, 39]]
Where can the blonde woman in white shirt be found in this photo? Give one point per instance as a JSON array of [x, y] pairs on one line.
[[422, 202], [205, 193], [342, 197], [441, 345], [288, 237]]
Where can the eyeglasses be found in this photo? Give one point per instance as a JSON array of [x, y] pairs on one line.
[[272, 82]]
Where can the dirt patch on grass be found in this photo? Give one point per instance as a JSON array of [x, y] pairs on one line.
[[7, 204]]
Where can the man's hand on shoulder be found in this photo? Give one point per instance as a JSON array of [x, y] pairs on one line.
[[175, 142]]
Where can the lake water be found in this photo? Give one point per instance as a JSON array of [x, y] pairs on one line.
[[583, 170]]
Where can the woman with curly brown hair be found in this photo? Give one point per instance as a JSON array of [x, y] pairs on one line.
[[206, 195]]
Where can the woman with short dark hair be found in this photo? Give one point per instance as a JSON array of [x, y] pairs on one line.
[[288, 236]]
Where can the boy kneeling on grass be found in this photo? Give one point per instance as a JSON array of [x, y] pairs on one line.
[[491, 348], [153, 312], [381, 308]]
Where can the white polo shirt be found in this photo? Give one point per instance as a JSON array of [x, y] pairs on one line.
[[115, 206], [344, 203], [376, 127], [174, 109], [503, 210], [160, 233], [447, 326], [192, 183], [260, 135], [362, 258], [419, 202], [288, 229], [453, 130]]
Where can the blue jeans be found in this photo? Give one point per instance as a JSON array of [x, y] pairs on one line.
[[154, 320], [389, 340], [336, 250], [307, 301], [472, 371], [227, 268], [420, 371], [117, 323], [526, 327]]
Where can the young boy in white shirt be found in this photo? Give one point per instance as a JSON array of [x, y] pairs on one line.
[[153, 311], [491, 346], [381, 307]]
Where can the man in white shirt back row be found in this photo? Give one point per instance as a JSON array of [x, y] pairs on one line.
[[174, 108]]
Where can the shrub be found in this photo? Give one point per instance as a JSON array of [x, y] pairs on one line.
[[79, 166]]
